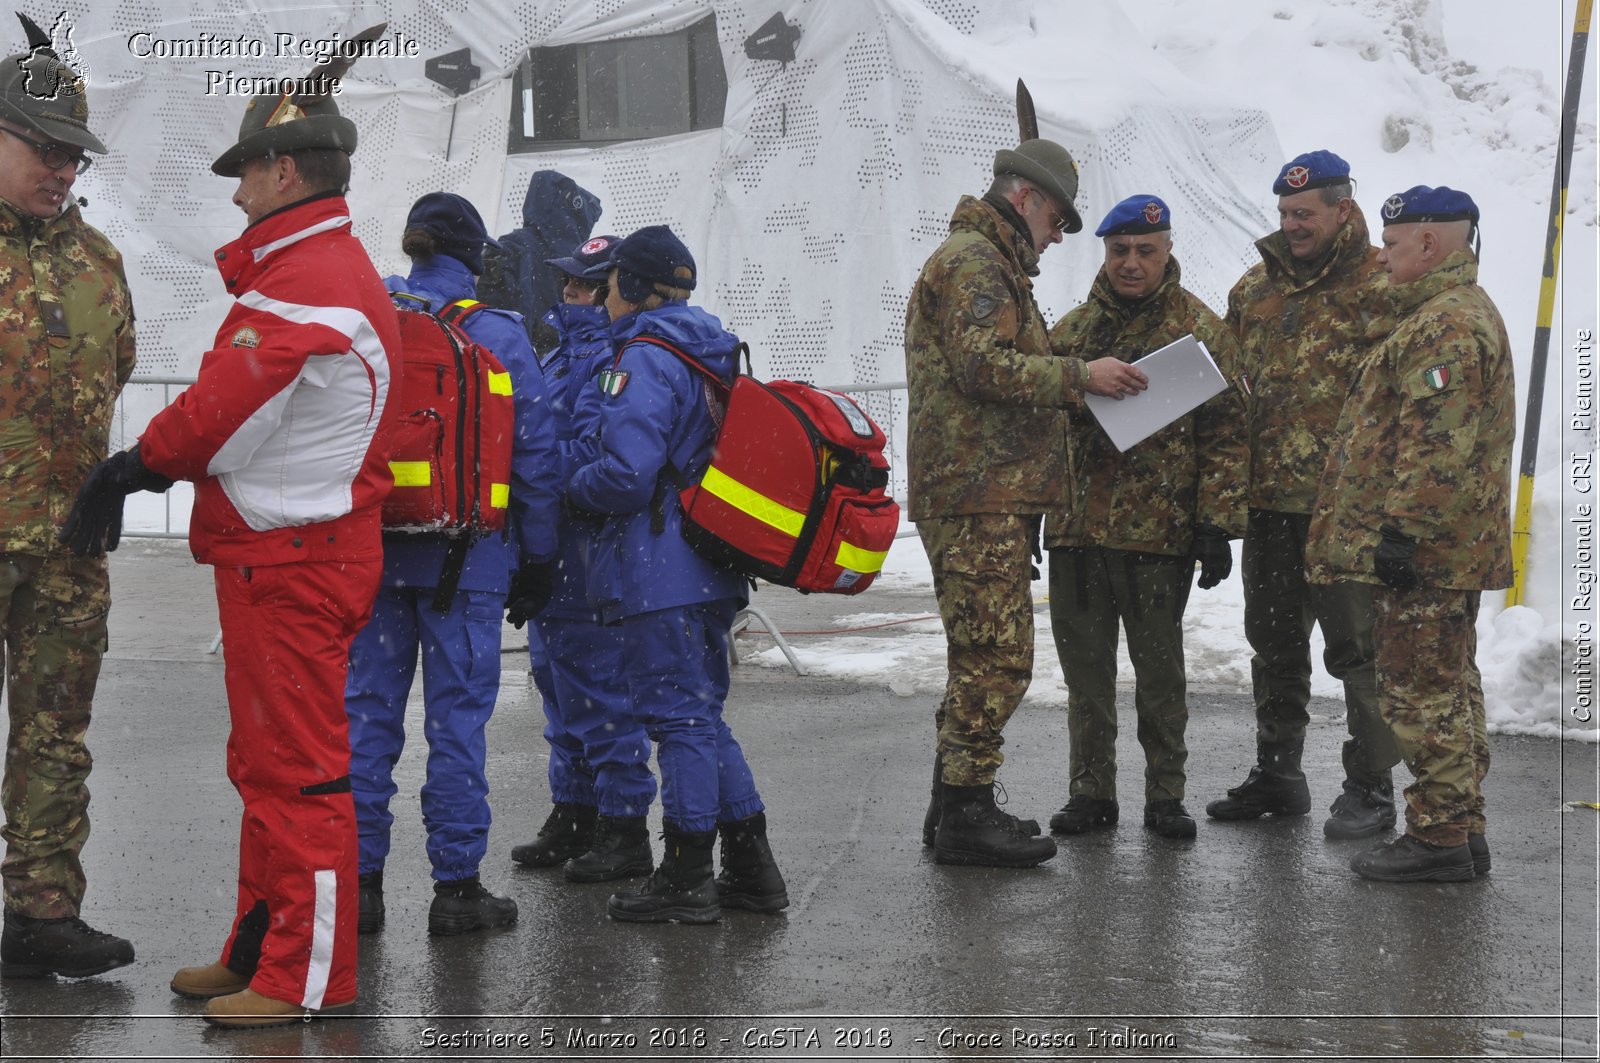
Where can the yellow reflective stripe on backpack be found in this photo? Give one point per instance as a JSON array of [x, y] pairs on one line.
[[858, 560], [499, 496], [499, 383], [751, 502], [411, 473]]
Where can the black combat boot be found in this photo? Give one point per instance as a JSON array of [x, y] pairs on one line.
[[1478, 846], [567, 832], [1362, 810], [621, 849], [681, 890], [464, 905], [974, 833], [1410, 859], [930, 820], [1169, 819], [1083, 813], [750, 878], [33, 948], [369, 893], [1280, 791]]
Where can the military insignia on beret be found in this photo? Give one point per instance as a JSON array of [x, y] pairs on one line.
[[1437, 377], [246, 337], [1393, 206], [612, 381], [1296, 176], [982, 307], [1152, 212]]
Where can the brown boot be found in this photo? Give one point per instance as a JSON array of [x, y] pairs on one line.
[[204, 983], [248, 1009]]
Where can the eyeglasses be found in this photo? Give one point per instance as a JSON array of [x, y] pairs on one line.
[[54, 156], [1057, 222]]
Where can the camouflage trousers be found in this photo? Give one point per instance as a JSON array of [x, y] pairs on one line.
[[1431, 692], [1280, 607], [981, 578], [1091, 589], [53, 618]]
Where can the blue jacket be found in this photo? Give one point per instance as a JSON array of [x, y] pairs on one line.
[[557, 215], [415, 560], [654, 415], [569, 369]]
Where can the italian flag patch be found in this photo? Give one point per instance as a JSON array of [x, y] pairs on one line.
[[612, 381], [1437, 377]]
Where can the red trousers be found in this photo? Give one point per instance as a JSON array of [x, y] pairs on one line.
[[286, 633]]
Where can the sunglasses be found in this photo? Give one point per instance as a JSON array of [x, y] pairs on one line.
[[54, 156], [1057, 222]]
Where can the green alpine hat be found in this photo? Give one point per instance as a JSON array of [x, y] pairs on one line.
[[41, 92], [1048, 165], [275, 123]]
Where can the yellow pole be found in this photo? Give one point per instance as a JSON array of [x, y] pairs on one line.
[[1522, 514]]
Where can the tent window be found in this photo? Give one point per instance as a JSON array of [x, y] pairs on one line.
[[629, 89]]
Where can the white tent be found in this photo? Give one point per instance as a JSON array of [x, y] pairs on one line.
[[810, 208]]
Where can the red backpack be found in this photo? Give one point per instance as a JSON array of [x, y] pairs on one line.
[[797, 489], [450, 450]]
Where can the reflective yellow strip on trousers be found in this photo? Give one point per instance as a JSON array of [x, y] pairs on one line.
[[411, 473], [858, 560], [754, 503]]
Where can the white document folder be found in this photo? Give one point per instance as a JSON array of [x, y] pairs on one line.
[[1182, 376]]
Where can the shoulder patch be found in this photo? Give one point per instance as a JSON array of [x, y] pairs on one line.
[[246, 337], [982, 307], [612, 381], [1435, 379]]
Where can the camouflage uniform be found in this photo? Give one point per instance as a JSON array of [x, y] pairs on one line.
[[66, 345], [1121, 549], [986, 446], [1425, 445], [1303, 335]]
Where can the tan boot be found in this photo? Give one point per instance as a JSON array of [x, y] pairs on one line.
[[247, 1009], [203, 983]]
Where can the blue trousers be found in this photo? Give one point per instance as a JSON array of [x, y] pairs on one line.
[[599, 754], [677, 670], [460, 681]]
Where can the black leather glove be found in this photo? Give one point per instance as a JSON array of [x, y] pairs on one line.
[[1211, 549], [94, 525], [530, 591], [1395, 559]]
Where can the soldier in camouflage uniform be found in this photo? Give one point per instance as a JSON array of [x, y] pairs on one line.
[[1124, 547], [986, 451], [1307, 316], [66, 349], [1416, 498]]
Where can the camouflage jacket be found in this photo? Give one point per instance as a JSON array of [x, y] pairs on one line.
[[1196, 470], [1425, 443], [66, 349], [987, 429], [1301, 343]]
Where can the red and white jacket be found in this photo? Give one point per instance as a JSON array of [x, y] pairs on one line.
[[280, 430]]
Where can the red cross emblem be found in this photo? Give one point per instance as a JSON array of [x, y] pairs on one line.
[[1297, 177], [595, 246], [1152, 213]]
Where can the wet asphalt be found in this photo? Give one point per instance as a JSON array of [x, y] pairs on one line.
[[1254, 941]]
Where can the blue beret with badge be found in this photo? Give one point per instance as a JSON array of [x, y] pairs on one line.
[[1135, 216], [1314, 169], [1421, 203]]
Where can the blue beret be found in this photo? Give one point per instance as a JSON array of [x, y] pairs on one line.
[[591, 260], [1421, 203], [1314, 169], [650, 256], [1135, 215], [454, 224]]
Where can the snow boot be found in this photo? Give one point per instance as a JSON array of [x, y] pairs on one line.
[[681, 890], [69, 947], [1362, 810], [620, 849], [750, 877], [567, 832], [464, 905], [212, 980], [973, 832]]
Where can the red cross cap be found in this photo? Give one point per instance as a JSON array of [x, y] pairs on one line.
[[1297, 177], [1152, 212], [595, 246]]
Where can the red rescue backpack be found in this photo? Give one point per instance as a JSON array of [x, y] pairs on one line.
[[797, 489], [450, 450]]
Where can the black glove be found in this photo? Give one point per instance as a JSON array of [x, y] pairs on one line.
[[530, 591], [1395, 559], [94, 525], [1211, 549]]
